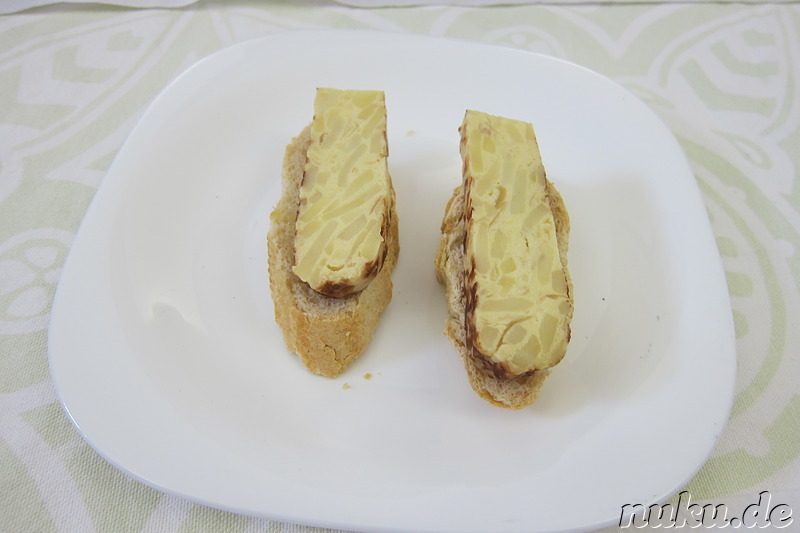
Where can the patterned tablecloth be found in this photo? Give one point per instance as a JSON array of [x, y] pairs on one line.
[[74, 79]]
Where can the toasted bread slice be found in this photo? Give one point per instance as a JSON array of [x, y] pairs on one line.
[[327, 332], [490, 378]]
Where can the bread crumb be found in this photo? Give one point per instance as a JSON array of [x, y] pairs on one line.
[[346, 386], [409, 133], [367, 376]]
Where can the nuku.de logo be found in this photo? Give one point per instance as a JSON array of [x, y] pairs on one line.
[[685, 514]]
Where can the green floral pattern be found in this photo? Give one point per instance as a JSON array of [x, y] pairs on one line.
[[74, 79]]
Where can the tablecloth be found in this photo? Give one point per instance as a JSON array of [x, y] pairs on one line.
[[74, 79], [12, 6]]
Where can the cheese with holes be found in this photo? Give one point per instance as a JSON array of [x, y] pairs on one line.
[[518, 305], [345, 195]]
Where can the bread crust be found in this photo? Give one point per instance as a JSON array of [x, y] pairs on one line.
[[327, 333], [510, 393]]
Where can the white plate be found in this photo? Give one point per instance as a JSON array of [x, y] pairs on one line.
[[166, 355]]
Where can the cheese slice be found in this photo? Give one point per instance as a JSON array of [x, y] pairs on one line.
[[518, 307], [345, 196]]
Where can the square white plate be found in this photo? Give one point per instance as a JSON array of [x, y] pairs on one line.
[[166, 355]]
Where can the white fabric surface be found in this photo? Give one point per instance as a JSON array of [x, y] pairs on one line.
[[14, 6], [479, 3]]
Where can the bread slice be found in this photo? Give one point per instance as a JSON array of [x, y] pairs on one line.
[[489, 383], [328, 333]]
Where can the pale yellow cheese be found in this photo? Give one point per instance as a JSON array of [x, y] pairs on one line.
[[519, 306], [345, 195]]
